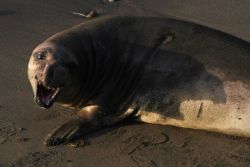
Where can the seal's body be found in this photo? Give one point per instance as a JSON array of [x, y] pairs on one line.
[[158, 70]]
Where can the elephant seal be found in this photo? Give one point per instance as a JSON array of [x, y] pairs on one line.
[[157, 70]]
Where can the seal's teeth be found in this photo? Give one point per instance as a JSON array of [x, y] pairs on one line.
[[55, 93]]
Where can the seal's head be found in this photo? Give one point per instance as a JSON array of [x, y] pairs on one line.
[[51, 74]]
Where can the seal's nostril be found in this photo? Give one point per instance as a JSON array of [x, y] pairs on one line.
[[36, 77]]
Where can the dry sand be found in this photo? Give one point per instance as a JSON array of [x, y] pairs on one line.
[[23, 125]]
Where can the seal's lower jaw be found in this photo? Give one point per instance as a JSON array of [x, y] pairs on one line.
[[45, 96]]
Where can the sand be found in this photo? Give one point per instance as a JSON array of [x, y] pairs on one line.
[[23, 125]]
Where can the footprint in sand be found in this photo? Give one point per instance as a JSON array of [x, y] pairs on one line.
[[39, 159], [10, 132], [140, 141]]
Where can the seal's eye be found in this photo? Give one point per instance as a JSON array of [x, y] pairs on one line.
[[40, 55]]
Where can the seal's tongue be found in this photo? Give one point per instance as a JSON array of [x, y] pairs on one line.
[[45, 96]]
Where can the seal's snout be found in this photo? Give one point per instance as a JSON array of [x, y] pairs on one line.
[[47, 88]]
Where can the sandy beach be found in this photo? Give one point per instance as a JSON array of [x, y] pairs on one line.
[[23, 125]]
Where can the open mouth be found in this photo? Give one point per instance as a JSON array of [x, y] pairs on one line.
[[45, 96]]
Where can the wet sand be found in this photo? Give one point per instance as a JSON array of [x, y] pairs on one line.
[[23, 125]]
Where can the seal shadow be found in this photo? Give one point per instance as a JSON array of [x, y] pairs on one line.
[[171, 78], [6, 12]]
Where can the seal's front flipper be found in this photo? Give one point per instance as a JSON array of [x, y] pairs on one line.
[[64, 133], [85, 122], [72, 129], [89, 119]]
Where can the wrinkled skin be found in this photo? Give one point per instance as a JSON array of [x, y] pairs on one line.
[[156, 70]]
